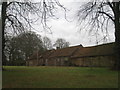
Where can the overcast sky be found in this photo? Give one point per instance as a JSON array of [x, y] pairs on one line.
[[61, 28], [69, 31]]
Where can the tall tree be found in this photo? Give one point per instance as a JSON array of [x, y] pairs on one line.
[[17, 16], [97, 15], [61, 43], [47, 43], [7, 49], [3, 16]]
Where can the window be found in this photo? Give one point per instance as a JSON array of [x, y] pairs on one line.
[[66, 59]]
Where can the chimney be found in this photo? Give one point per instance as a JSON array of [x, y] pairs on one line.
[[57, 47], [81, 45]]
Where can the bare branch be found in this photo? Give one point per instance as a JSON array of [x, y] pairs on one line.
[[107, 15], [95, 16]]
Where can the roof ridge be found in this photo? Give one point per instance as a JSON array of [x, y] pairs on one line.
[[99, 45]]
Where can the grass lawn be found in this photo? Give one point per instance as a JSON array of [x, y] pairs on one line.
[[58, 77]]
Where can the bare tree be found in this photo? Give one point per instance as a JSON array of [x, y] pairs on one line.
[[61, 43], [97, 15], [16, 16], [47, 43], [19, 15]]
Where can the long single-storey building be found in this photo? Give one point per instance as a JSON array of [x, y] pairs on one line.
[[100, 55], [61, 57], [39, 58]]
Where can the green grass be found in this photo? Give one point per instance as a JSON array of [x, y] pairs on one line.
[[58, 77]]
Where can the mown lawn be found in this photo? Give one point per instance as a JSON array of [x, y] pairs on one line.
[[58, 77]]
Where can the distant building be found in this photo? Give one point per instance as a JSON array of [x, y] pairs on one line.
[[39, 58], [101, 55], [61, 57]]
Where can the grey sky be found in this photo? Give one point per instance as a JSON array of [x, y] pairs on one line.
[[61, 28]]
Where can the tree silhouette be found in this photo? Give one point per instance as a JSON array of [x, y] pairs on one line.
[[16, 16], [61, 43], [21, 47], [98, 14], [47, 44]]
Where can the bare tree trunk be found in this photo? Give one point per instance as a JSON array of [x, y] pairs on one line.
[[117, 35], [3, 15]]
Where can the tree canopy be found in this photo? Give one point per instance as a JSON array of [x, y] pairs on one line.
[[61, 43], [47, 44], [98, 15], [21, 47]]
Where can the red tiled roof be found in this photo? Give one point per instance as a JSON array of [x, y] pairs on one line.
[[65, 51], [47, 53]]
